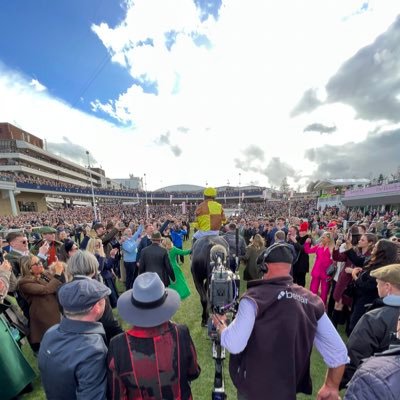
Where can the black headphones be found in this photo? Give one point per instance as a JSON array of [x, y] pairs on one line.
[[270, 250]]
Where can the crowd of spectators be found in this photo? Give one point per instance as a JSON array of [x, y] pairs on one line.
[[24, 178], [262, 225], [306, 208]]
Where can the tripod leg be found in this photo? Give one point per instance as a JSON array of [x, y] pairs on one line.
[[218, 392]]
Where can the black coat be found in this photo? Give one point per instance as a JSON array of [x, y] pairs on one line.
[[302, 265], [371, 335], [144, 242], [154, 258]]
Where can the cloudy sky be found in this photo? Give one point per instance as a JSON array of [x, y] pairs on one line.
[[200, 91]]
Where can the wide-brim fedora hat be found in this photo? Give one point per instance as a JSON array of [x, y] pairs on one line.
[[148, 303]]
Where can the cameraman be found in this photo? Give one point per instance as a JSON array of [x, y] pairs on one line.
[[272, 336]]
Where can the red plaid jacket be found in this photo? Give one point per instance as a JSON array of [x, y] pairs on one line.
[[152, 364]]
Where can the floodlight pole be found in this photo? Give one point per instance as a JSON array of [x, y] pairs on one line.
[[145, 190], [240, 176], [91, 186]]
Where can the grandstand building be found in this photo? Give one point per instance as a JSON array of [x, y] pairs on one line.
[[34, 179], [384, 196], [133, 182], [358, 193], [331, 191]]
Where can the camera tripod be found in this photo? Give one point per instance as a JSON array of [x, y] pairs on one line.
[[218, 353]]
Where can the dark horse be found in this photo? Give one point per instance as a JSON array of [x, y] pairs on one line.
[[201, 268]]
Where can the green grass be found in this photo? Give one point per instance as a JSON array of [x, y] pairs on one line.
[[190, 314]]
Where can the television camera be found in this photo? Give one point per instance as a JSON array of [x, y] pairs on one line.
[[223, 297]]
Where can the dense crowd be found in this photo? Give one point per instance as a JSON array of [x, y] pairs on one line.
[[249, 210], [22, 177], [64, 259]]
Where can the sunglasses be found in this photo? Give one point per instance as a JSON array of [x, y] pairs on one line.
[[39, 264], [24, 241], [396, 240]]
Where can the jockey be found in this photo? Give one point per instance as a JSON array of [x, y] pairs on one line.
[[209, 215]]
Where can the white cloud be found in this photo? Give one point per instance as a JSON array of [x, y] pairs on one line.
[[264, 55], [37, 85]]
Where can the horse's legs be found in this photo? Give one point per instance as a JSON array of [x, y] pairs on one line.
[[204, 315], [202, 290]]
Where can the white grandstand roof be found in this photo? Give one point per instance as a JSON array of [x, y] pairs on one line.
[[326, 183], [196, 188], [181, 188]]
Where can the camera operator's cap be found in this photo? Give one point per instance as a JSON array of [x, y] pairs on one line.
[[210, 192], [278, 253], [148, 303], [47, 230], [80, 295], [389, 273]]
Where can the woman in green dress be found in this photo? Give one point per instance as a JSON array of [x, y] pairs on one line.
[[180, 284]]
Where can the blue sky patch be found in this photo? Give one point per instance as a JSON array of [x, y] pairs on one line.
[[170, 39], [208, 7], [52, 41]]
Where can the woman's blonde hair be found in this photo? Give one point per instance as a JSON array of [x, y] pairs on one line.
[[258, 242], [331, 244], [95, 246], [25, 263], [167, 243]]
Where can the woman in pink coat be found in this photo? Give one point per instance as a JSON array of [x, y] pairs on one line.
[[323, 259]]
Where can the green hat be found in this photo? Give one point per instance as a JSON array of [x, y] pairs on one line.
[[389, 273], [47, 229]]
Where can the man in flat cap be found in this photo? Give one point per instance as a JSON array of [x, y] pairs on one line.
[[378, 377], [273, 334], [373, 331], [72, 357], [209, 215]]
